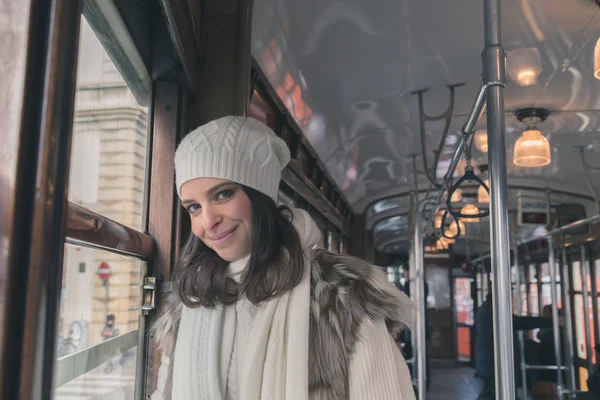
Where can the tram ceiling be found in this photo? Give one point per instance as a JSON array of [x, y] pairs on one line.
[[357, 63]]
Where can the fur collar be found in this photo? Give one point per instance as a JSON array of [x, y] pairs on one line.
[[344, 291]]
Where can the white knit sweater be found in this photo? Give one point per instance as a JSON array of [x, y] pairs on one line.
[[377, 369]]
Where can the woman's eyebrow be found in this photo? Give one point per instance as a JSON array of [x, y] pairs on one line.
[[216, 188], [209, 192]]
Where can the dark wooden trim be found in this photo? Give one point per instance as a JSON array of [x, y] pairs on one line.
[[86, 226], [166, 125], [183, 27], [295, 178], [305, 173], [37, 187]]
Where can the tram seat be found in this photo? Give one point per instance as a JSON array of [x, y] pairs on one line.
[[542, 390]]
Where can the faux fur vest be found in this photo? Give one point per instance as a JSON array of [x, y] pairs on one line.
[[344, 291]]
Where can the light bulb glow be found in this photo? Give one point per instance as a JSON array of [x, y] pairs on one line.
[[453, 229], [438, 221], [470, 209], [456, 196], [482, 194], [481, 140], [532, 149], [524, 66]]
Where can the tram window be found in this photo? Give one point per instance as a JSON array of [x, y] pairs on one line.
[[532, 273], [524, 300], [344, 245], [321, 243], [579, 327], [597, 269], [534, 309], [547, 294], [98, 323], [479, 289], [438, 280], [108, 156], [335, 244], [577, 280]]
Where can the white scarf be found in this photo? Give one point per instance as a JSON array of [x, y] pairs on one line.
[[275, 365]]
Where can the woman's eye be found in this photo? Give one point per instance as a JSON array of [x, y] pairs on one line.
[[225, 194], [192, 208]]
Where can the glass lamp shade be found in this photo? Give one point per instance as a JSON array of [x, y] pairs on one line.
[[482, 195], [597, 60], [438, 221], [447, 241], [481, 142], [524, 66], [441, 245], [456, 196], [453, 229], [470, 209], [532, 149]]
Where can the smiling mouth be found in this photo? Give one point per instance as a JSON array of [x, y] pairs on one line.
[[221, 238]]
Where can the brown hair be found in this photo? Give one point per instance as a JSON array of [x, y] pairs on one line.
[[275, 266]]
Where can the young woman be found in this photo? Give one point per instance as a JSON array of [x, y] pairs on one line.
[[256, 311]]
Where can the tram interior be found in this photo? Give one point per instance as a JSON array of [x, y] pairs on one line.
[[372, 98]]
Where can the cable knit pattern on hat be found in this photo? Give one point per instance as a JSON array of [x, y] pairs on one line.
[[239, 149]]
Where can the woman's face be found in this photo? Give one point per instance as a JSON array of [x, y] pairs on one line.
[[221, 215]]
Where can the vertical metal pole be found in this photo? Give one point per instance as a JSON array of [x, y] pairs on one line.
[[518, 305], [414, 200], [555, 325], [494, 71], [586, 320], [419, 290], [566, 303], [593, 279], [413, 334]]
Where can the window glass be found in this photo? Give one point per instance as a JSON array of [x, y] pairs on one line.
[[532, 273], [394, 224], [533, 300], [524, 302], [335, 242], [438, 282], [577, 282], [98, 305], [108, 153]]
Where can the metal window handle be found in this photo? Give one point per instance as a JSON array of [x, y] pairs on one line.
[[149, 293]]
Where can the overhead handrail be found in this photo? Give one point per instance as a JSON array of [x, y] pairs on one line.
[[469, 176], [447, 116], [466, 138], [456, 221]]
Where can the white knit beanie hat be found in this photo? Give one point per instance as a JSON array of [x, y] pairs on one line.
[[238, 149]]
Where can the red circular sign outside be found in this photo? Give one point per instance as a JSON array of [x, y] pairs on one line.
[[103, 271]]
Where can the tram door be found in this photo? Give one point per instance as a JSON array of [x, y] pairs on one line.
[[463, 317]]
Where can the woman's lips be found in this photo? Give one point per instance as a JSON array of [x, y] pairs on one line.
[[223, 240]]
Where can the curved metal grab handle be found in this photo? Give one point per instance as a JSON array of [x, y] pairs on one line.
[[468, 176], [458, 232]]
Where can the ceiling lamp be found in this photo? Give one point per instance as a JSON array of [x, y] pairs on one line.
[[456, 196], [448, 241], [481, 140], [441, 245], [470, 209], [482, 194], [438, 221], [453, 229], [524, 66], [532, 149], [597, 60]]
